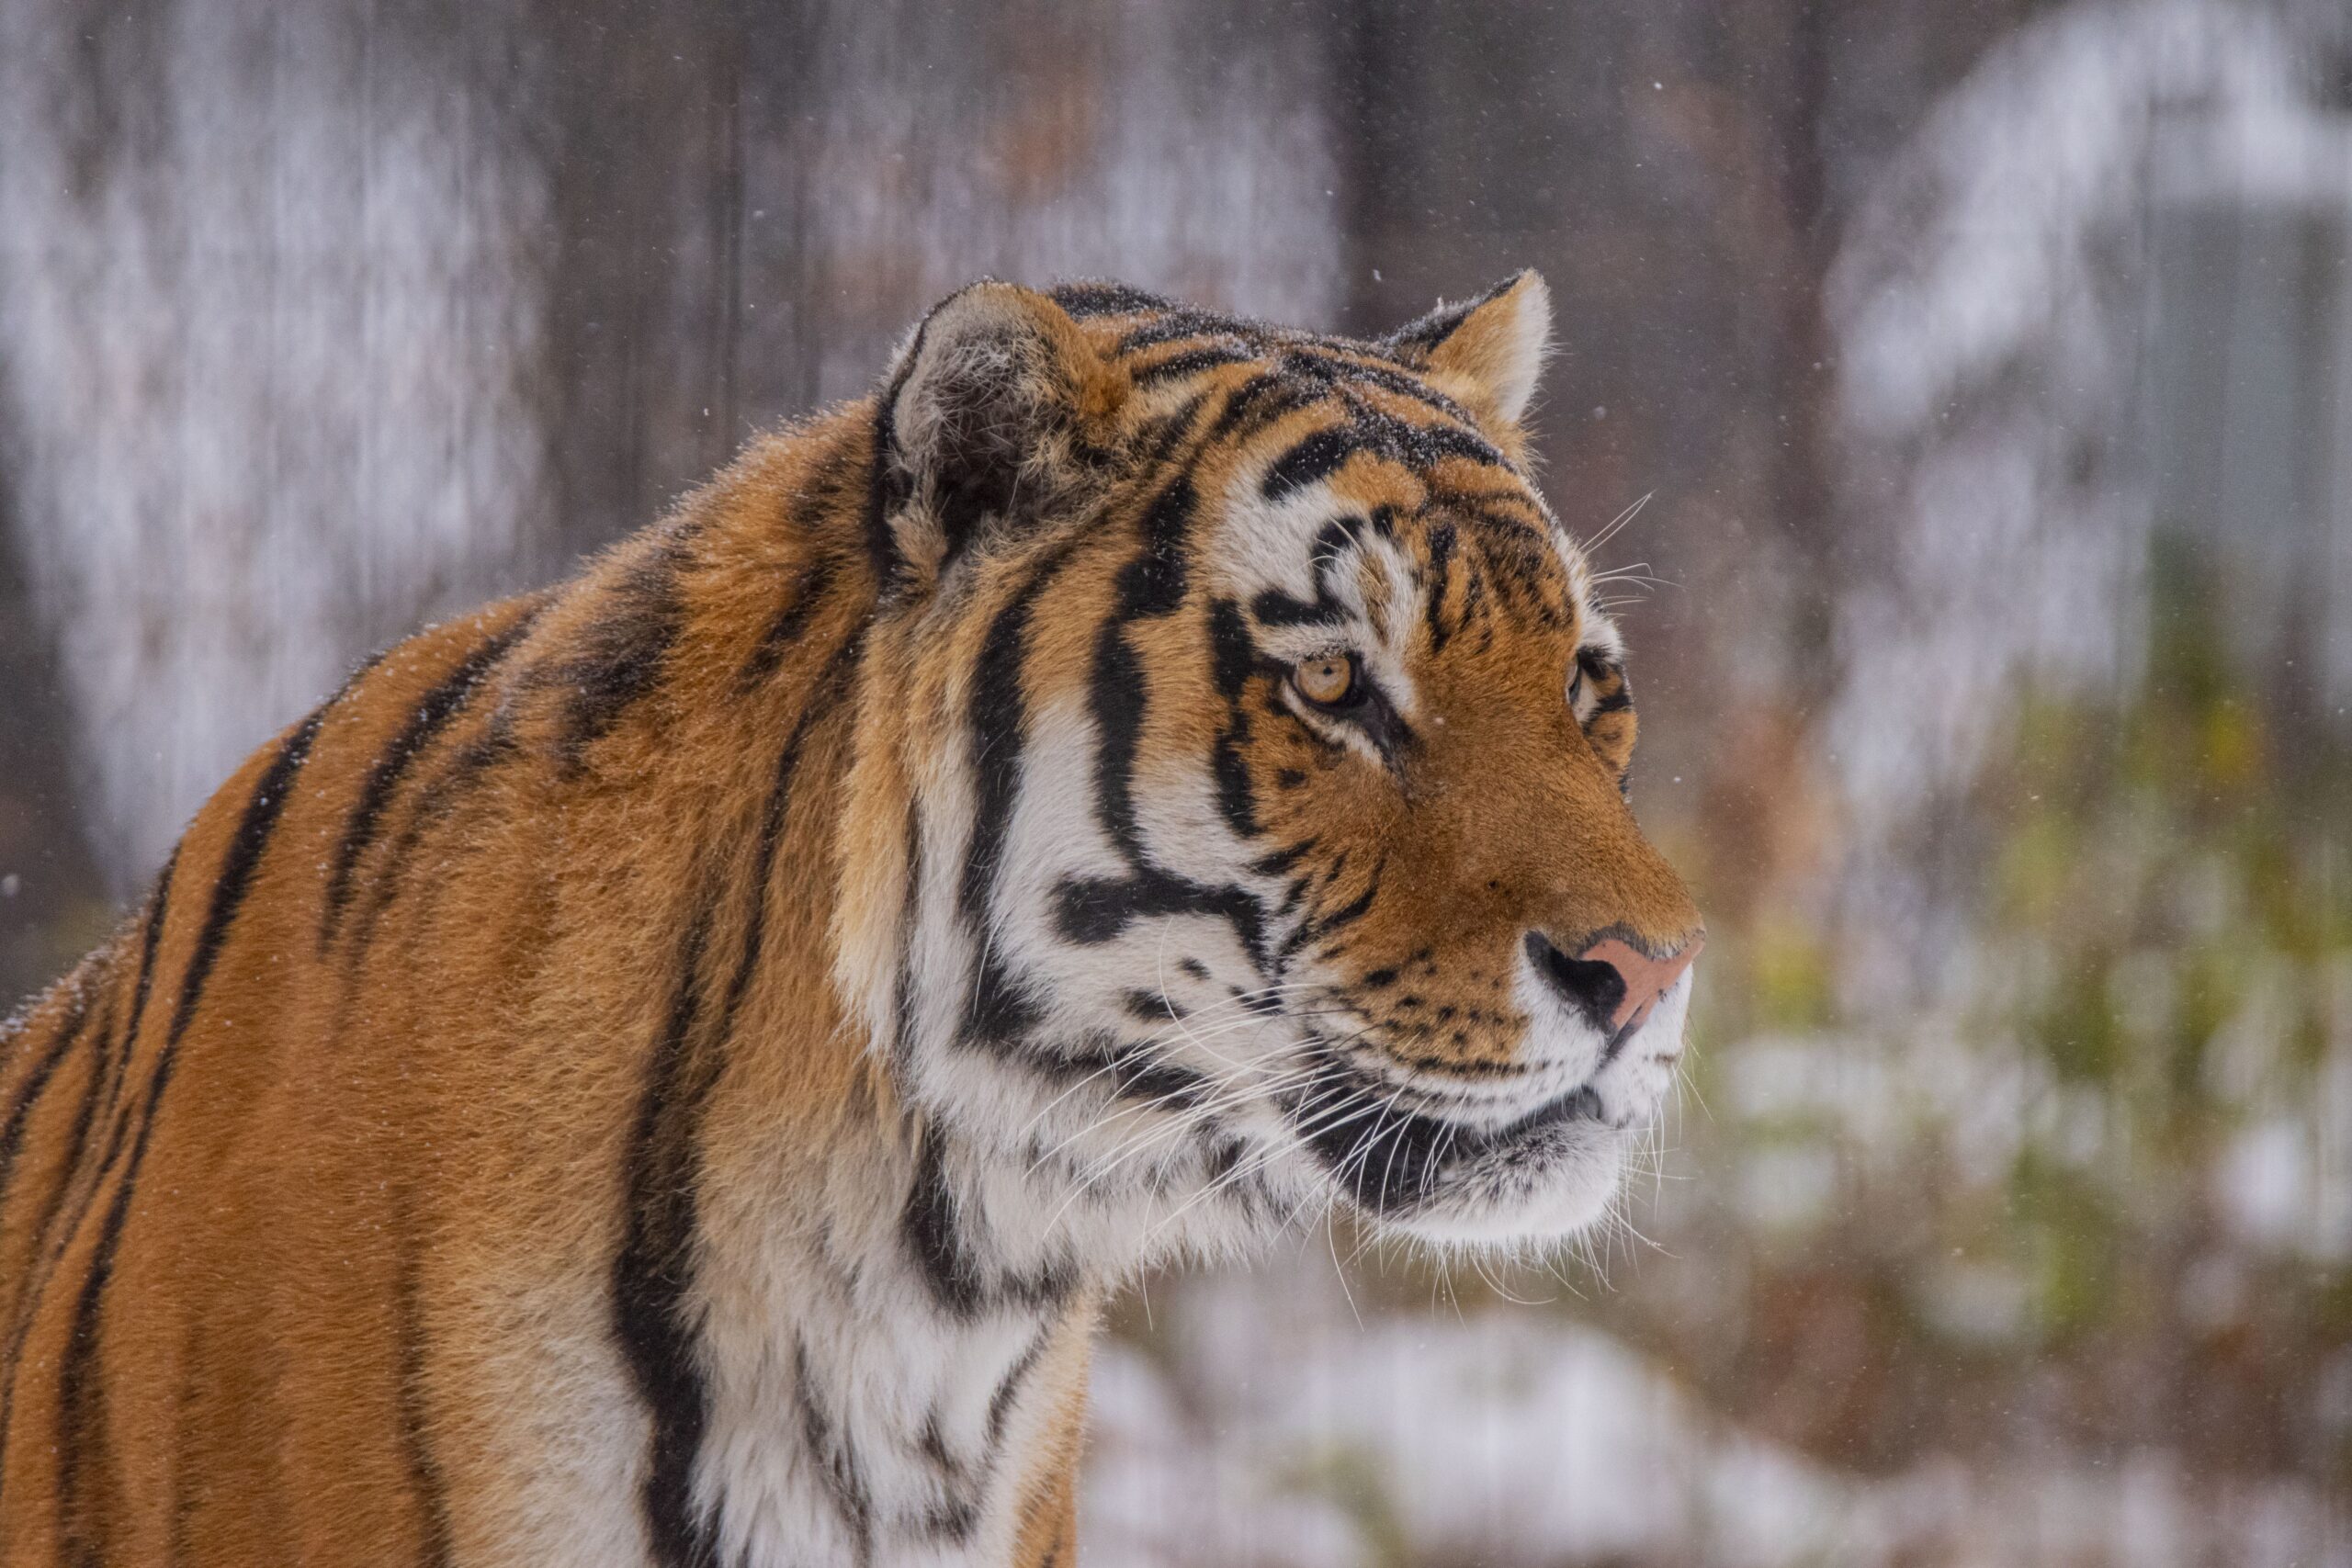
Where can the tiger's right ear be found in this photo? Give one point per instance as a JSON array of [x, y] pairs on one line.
[[994, 414], [1486, 351]]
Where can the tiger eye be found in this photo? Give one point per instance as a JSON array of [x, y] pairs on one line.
[[1327, 681]]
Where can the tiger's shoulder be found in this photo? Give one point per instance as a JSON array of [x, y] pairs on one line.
[[376, 1022]]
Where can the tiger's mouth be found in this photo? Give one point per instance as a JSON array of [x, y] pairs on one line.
[[1391, 1147], [1454, 1162]]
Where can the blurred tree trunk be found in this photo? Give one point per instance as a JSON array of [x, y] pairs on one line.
[[323, 319], [750, 205], [1681, 172], [51, 902]]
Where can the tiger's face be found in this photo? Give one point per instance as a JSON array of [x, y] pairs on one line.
[[1263, 758]]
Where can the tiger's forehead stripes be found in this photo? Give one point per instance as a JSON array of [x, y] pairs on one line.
[[1281, 368], [1296, 411]]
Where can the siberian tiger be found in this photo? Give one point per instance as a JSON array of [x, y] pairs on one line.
[[666, 1069]]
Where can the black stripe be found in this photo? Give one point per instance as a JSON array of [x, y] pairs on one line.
[[1473, 599], [930, 1226], [427, 1481], [955, 1518], [1151, 1007], [1179, 321], [1232, 659], [1255, 404], [1264, 1005], [823, 698], [1597, 666], [1333, 542], [1133, 1070], [1524, 532], [653, 1271], [934, 1236], [1093, 910], [1442, 541], [1151, 585], [69, 1034], [237, 870], [441, 704], [997, 720], [1276, 608], [82, 1412], [1276, 862], [465, 768], [1321, 454], [967, 1485], [84, 1118], [617, 659], [147, 946], [1315, 457], [1085, 299], [792, 621], [1001, 1006], [1326, 369], [842, 480], [150, 941], [1353, 910], [1191, 362], [828, 1450], [82, 1400], [1001, 1402], [1616, 701], [902, 980]]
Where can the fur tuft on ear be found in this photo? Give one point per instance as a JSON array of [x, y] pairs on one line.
[[993, 412], [1486, 352]]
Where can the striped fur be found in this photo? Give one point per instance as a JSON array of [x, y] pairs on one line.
[[665, 1070]]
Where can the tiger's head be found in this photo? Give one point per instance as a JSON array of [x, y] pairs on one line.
[[1239, 822]]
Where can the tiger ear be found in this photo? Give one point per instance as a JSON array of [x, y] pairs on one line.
[[991, 413], [1486, 352]]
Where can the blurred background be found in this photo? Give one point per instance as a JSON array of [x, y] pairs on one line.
[[1986, 366]]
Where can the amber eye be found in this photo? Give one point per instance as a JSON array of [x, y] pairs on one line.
[[1329, 680]]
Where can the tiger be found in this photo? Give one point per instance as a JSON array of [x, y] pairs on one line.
[[669, 1069]]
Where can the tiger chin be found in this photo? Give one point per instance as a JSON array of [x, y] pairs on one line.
[[665, 1070]]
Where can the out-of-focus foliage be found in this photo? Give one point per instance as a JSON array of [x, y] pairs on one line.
[[1988, 370], [2097, 1200]]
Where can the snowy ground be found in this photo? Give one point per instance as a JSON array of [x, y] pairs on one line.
[[1271, 1429]]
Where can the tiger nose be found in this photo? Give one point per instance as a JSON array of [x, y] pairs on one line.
[[1611, 982]]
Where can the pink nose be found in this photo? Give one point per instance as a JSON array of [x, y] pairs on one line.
[[1611, 982], [1645, 978]]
